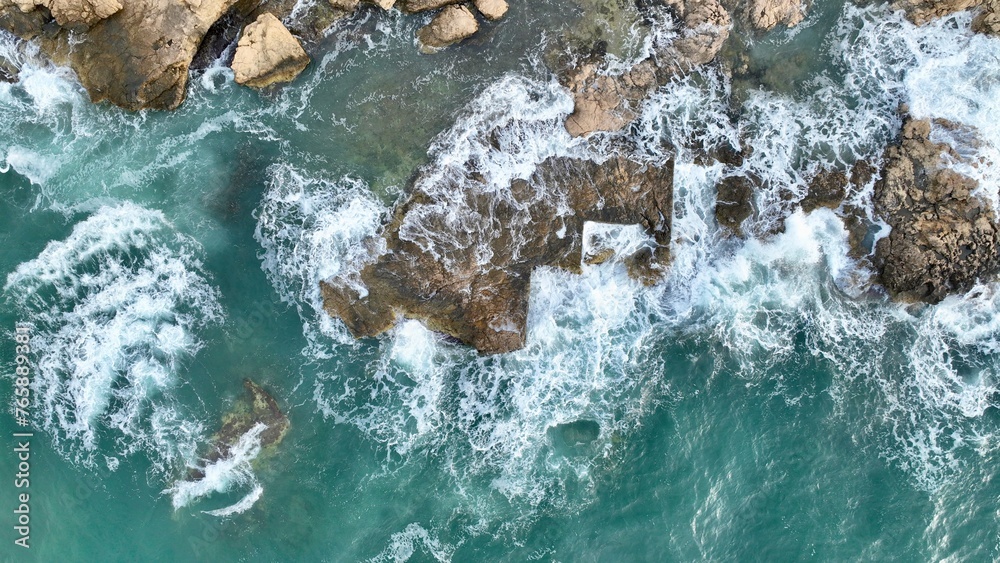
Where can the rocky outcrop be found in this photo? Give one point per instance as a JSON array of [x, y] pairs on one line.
[[944, 238], [8, 72], [987, 19], [137, 57], [492, 9], [537, 222], [268, 54], [257, 407], [452, 25], [734, 203], [606, 101], [81, 14], [765, 15], [923, 11], [704, 28]]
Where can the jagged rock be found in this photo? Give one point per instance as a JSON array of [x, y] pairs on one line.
[[452, 25], [603, 101], [988, 19], [944, 238], [257, 407], [414, 6], [268, 54], [384, 4], [764, 15], [537, 222], [704, 29], [8, 72], [491, 9], [72, 14], [734, 203], [923, 11], [827, 189]]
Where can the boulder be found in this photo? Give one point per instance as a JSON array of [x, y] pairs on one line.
[[491, 9], [268, 54], [384, 4], [827, 189], [944, 237], [472, 283], [764, 15], [452, 25]]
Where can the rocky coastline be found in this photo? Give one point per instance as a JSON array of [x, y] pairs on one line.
[[931, 233]]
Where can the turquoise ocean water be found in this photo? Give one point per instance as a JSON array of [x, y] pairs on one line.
[[760, 404]]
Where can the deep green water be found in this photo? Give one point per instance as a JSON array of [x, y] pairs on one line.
[[761, 404]]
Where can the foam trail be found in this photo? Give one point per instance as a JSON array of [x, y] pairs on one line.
[[765, 304], [117, 306], [311, 230], [415, 538], [223, 475]]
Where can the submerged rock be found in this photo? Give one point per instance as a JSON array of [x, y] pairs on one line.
[[452, 25], [474, 285], [258, 407], [944, 237], [268, 54]]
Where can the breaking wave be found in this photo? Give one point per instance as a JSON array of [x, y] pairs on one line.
[[540, 424], [116, 307]]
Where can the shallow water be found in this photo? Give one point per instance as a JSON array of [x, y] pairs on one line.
[[761, 403]]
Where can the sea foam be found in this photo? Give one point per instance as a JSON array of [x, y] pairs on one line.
[[117, 307]]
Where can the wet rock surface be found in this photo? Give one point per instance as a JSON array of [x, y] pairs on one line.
[[476, 288], [944, 237], [987, 18], [608, 101], [258, 406]]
